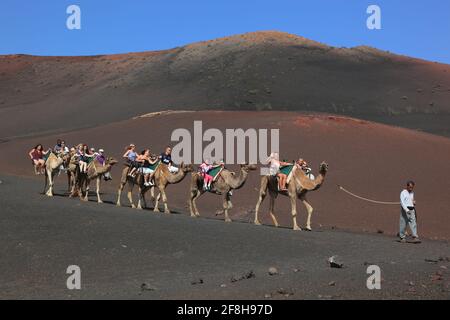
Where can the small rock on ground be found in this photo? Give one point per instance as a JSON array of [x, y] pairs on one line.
[[273, 271]]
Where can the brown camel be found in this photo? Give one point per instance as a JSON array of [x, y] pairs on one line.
[[71, 166], [162, 177], [224, 184], [298, 186], [52, 165], [138, 179], [95, 170]]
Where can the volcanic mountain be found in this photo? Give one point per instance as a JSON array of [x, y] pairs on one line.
[[255, 71]]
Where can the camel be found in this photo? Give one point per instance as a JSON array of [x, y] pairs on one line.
[[138, 180], [162, 177], [225, 183], [95, 170], [52, 165], [298, 187], [71, 167]]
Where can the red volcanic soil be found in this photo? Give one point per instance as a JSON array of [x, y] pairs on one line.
[[370, 159], [266, 71]]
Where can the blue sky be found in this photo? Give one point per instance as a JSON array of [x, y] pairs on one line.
[[416, 28]]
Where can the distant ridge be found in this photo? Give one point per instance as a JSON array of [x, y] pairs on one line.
[[266, 70]]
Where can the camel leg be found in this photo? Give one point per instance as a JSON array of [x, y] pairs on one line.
[[130, 194], [294, 212], [50, 183], [80, 188], [226, 202], [143, 199], [119, 193], [69, 187], [152, 194], [86, 194], [230, 205], [164, 199], [156, 208], [98, 190], [142, 204], [45, 183], [262, 195], [191, 202], [195, 195], [73, 183], [139, 205], [271, 209], [197, 213], [309, 209]]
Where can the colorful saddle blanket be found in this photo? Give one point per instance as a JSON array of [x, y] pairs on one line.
[[214, 172], [286, 169], [45, 156], [155, 165]]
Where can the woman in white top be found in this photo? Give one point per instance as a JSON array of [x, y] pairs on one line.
[[274, 169]]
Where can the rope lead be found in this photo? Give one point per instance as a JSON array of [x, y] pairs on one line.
[[366, 199]]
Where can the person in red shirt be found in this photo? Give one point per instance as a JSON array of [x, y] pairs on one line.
[[37, 157]]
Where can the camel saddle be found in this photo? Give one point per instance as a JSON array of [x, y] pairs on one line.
[[287, 170], [214, 172], [155, 165]]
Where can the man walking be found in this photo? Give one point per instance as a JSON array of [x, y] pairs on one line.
[[408, 213]]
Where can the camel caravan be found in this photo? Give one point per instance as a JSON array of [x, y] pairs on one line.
[[147, 172]]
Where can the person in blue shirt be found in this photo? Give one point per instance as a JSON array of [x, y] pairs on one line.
[[166, 158], [130, 156]]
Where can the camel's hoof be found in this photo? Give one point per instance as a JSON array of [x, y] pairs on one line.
[[297, 229], [133, 206], [193, 216], [100, 201], [308, 229], [257, 222], [118, 204], [167, 211], [276, 225], [228, 220], [139, 208]]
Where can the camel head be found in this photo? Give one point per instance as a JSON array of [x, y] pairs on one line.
[[66, 159], [186, 168], [323, 168], [248, 167], [111, 161], [63, 156]]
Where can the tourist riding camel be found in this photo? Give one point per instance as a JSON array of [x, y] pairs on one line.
[[166, 158], [147, 166], [299, 184], [224, 183], [38, 157], [130, 157], [52, 167], [276, 168], [95, 170], [162, 177], [205, 169]]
